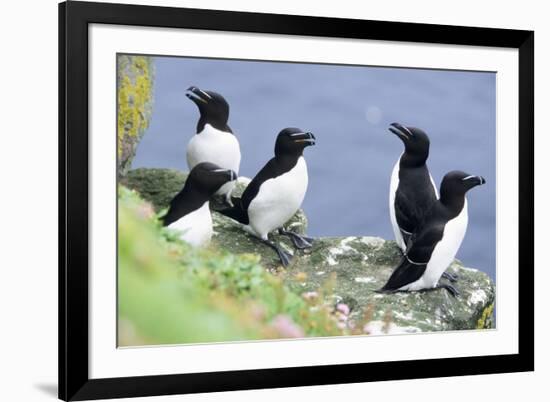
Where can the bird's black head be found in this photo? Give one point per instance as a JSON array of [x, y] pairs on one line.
[[213, 107], [456, 184], [416, 141], [292, 141], [207, 178]]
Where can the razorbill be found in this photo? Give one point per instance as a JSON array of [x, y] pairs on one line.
[[214, 141], [276, 192], [189, 210], [434, 244], [412, 189]]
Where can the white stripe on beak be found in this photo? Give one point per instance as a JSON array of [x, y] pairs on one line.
[[194, 96], [202, 92], [408, 131]]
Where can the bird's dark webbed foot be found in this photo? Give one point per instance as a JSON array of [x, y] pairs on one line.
[[300, 242], [284, 257], [450, 276], [449, 288]]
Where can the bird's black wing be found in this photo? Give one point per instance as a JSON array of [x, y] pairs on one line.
[[407, 213], [235, 212], [412, 206], [418, 254], [423, 242], [182, 204]]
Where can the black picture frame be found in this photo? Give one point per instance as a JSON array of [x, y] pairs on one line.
[[74, 18]]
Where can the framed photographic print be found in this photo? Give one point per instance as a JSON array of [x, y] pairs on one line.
[[258, 200]]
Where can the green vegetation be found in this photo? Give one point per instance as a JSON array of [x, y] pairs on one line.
[[135, 91], [170, 292]]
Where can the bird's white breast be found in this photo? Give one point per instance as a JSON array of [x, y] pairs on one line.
[[196, 226], [278, 199], [394, 184], [445, 251], [215, 146]]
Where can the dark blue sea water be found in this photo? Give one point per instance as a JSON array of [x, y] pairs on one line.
[[348, 109]]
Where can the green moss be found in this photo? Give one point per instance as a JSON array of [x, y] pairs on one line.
[[158, 186], [135, 92]]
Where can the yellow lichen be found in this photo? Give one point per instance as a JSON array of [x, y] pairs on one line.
[[485, 319], [135, 87]]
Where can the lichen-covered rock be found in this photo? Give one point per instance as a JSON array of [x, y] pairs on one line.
[[158, 186], [135, 94], [355, 266], [363, 264]]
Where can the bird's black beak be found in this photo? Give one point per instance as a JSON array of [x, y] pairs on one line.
[[307, 138], [401, 131], [231, 175], [197, 95], [475, 180]]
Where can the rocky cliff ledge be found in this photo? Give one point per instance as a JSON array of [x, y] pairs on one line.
[[355, 266]]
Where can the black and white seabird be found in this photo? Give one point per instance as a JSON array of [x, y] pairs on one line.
[[214, 141], [412, 189], [189, 211], [276, 192], [433, 246]]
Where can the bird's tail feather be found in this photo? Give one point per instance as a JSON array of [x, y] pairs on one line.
[[405, 273]]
